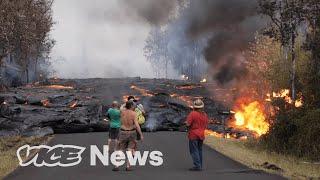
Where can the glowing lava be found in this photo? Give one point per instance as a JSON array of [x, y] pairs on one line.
[[73, 104], [58, 87], [142, 91]]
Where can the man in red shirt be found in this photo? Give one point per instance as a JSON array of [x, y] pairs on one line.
[[197, 121]]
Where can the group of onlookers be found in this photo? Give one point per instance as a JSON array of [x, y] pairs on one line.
[[126, 121], [125, 126]]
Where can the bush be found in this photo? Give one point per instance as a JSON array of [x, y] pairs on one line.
[[295, 132]]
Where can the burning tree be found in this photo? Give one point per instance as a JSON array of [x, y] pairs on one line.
[[294, 25], [24, 38], [286, 17]]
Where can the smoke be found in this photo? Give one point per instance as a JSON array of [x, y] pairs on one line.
[[106, 38], [98, 38], [157, 12], [233, 24], [227, 25]]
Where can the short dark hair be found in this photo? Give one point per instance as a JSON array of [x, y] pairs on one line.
[[131, 98], [129, 104]]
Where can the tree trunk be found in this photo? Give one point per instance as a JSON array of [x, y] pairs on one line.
[[36, 70], [166, 68], [293, 73]]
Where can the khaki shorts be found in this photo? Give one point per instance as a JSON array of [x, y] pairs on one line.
[[127, 140]]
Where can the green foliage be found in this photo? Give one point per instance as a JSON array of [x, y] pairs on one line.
[[25, 27], [295, 132]]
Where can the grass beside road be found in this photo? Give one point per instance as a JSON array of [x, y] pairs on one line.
[[8, 148], [256, 158]]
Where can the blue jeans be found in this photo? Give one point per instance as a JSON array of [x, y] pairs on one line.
[[195, 148]]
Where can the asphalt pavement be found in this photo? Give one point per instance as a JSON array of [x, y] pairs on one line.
[[173, 145]]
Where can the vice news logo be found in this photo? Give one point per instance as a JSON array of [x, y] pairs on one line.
[[70, 155]]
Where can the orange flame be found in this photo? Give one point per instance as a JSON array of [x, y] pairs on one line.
[[203, 80], [251, 116], [285, 94]]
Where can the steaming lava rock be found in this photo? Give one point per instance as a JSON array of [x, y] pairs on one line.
[[76, 106]]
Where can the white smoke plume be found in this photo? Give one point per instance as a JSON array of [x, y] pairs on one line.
[[98, 38]]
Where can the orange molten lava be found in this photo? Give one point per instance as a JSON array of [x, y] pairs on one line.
[[142, 91], [59, 87], [208, 132], [73, 104], [188, 87], [251, 116], [213, 133], [45, 102]]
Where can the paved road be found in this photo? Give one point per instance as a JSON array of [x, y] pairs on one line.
[[176, 162]]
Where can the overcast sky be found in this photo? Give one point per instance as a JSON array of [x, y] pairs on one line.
[[98, 38]]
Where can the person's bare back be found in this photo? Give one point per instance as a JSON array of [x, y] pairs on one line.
[[128, 119]]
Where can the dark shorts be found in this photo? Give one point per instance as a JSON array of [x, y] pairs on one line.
[[138, 136], [127, 140], [114, 133]]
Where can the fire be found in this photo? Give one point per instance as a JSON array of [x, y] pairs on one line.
[[251, 116], [184, 77], [298, 103], [203, 80], [239, 119], [285, 94]]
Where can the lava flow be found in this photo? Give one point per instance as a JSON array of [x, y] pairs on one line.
[[143, 92], [58, 87]]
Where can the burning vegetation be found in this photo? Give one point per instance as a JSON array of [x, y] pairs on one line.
[[250, 116]]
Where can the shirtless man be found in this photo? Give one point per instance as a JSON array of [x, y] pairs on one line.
[[128, 131]]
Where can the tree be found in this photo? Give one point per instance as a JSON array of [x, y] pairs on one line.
[[286, 17], [154, 51], [24, 33], [312, 15]]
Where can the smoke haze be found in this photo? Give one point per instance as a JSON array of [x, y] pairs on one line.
[[98, 38], [233, 24]]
